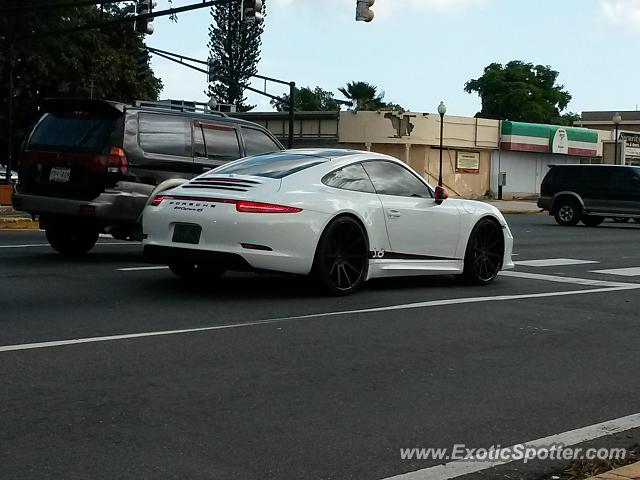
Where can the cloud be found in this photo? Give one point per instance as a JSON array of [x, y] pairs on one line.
[[622, 13]]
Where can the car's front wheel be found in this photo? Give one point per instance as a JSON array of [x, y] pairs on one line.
[[196, 272], [485, 253], [568, 212], [71, 239], [342, 257]]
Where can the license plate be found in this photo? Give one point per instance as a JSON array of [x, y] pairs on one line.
[[185, 233], [59, 174]]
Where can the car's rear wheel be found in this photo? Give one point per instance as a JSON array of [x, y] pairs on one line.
[[621, 219], [591, 220], [199, 272], [568, 212], [342, 257], [485, 253], [71, 239]]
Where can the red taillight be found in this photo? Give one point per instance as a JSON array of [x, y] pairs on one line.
[[257, 207], [157, 200], [117, 161]]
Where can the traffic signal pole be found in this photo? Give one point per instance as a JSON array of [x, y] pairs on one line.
[[182, 59]]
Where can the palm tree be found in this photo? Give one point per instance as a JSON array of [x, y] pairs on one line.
[[362, 96]]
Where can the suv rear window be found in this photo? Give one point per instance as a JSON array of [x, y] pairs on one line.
[[77, 131], [271, 165]]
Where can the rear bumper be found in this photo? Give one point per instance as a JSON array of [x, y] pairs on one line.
[[109, 207], [166, 255], [545, 203]]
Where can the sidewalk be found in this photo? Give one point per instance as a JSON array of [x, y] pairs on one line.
[[515, 207], [629, 472], [12, 220]]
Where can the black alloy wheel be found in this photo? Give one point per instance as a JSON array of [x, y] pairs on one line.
[[485, 253], [342, 257]]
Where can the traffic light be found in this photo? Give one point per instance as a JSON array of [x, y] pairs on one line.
[[142, 65], [144, 7], [252, 11], [363, 10], [214, 65]]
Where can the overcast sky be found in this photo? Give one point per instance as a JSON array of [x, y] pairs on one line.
[[423, 51]]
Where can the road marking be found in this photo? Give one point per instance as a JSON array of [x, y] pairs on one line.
[[38, 245], [460, 468], [137, 269], [622, 272], [553, 262], [406, 306], [575, 281]]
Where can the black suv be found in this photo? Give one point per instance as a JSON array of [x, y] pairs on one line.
[[591, 193], [90, 167]]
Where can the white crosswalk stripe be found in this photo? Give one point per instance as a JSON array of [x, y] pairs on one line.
[[621, 272], [553, 262]]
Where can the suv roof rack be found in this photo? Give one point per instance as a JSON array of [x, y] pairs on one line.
[[180, 106]]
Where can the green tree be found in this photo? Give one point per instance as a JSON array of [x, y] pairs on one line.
[[235, 47], [309, 100], [362, 96], [520, 91], [106, 63]]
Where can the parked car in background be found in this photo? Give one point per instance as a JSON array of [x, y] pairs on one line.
[[90, 166], [591, 193], [3, 175]]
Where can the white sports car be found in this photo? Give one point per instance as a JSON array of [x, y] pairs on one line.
[[342, 216]]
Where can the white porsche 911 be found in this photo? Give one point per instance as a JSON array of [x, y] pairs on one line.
[[341, 216]]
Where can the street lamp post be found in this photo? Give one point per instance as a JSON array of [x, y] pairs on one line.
[[616, 121], [442, 109]]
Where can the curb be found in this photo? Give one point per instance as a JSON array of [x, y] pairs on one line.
[[628, 472], [18, 223]]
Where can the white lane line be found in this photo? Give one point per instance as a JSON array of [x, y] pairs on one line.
[[622, 272], [460, 468], [39, 245], [138, 269], [575, 281], [407, 306], [553, 262]]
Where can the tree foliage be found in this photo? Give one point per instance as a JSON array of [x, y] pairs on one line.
[[104, 62], [362, 96], [235, 47], [309, 100], [522, 92]]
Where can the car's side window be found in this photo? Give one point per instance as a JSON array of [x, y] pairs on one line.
[[165, 134], [392, 179], [257, 142], [221, 142], [352, 177]]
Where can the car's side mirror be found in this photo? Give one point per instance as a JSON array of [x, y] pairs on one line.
[[441, 194]]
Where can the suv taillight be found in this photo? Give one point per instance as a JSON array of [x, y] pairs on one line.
[[117, 161]]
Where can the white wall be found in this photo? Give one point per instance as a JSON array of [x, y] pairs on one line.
[[525, 171]]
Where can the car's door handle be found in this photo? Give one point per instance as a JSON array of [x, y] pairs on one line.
[[393, 214]]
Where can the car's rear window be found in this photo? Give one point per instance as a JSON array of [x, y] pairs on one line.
[[74, 131], [271, 165]]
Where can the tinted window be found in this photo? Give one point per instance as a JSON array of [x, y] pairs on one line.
[[623, 178], [352, 177], [257, 142], [221, 142], [391, 179], [272, 166], [81, 132], [165, 134]]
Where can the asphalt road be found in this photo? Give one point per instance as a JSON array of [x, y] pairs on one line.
[[279, 394]]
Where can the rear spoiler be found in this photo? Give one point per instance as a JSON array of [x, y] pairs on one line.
[[67, 105]]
